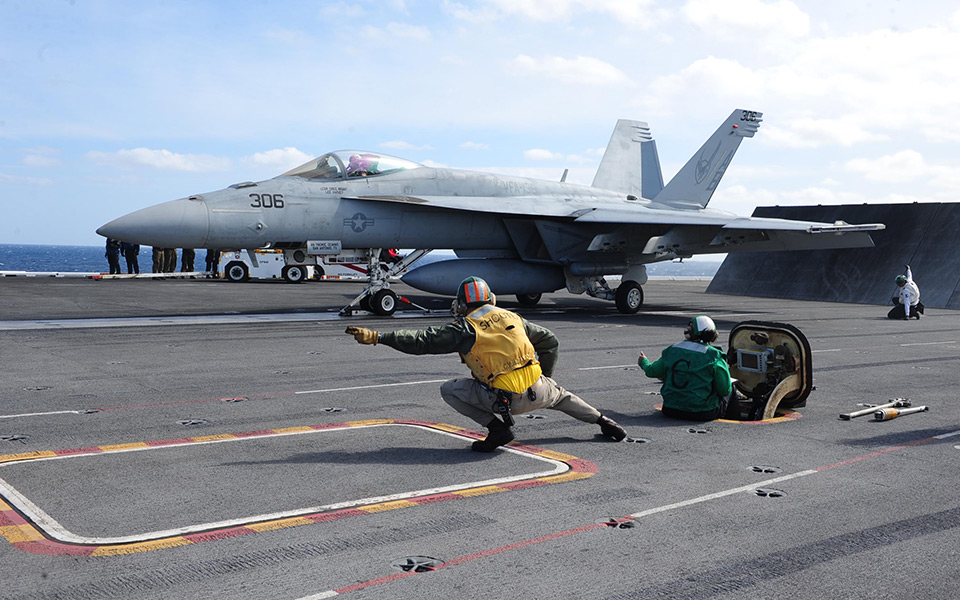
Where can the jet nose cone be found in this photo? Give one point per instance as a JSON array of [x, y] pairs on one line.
[[176, 224]]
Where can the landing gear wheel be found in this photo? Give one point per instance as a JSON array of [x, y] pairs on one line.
[[365, 304], [629, 297], [528, 299], [294, 273], [236, 272], [384, 303]]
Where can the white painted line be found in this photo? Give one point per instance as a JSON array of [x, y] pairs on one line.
[[43, 414], [714, 496], [598, 368], [52, 528], [944, 436], [369, 387], [929, 343], [225, 319], [321, 596]]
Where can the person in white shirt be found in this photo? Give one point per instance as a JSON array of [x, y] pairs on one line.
[[907, 303]]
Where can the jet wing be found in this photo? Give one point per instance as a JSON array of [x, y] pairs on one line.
[[679, 217], [533, 206], [583, 210]]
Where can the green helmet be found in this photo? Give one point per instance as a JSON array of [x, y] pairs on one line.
[[901, 280], [701, 329]]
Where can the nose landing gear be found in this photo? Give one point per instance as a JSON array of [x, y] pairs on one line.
[[377, 297]]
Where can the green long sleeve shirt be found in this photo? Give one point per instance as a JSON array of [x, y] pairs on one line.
[[695, 376], [459, 336]]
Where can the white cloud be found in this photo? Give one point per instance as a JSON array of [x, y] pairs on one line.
[[635, 12], [159, 159], [41, 157], [831, 91], [282, 159], [396, 32], [906, 166], [6, 179], [735, 19], [581, 70], [342, 10], [741, 200], [474, 146], [401, 145], [813, 133], [540, 154]]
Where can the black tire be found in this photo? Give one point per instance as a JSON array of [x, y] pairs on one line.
[[629, 297], [529, 299], [318, 273], [294, 273], [236, 272], [384, 303], [365, 304]]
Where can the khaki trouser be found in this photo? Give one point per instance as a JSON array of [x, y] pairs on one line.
[[472, 400]]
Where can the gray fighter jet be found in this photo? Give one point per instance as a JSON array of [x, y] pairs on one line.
[[523, 236]]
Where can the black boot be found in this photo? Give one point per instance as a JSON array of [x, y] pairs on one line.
[[499, 435], [611, 429]]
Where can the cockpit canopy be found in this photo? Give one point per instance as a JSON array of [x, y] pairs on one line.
[[351, 163]]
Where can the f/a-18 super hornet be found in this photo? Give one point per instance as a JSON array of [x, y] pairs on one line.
[[523, 236]]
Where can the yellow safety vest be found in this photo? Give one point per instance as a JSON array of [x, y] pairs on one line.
[[502, 348]]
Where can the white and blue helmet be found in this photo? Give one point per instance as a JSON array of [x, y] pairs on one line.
[[701, 328]]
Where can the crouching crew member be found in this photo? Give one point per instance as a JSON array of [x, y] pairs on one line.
[[696, 378], [907, 303], [511, 361]]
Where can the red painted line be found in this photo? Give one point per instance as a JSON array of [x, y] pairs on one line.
[[332, 516], [523, 544], [51, 548], [873, 454], [372, 582], [434, 498], [11, 518], [260, 433], [561, 534], [219, 534], [327, 426], [583, 466], [522, 485], [74, 451]]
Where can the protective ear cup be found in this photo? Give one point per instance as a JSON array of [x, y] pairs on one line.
[[493, 299]]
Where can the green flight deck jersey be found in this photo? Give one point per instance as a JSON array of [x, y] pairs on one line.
[[695, 376]]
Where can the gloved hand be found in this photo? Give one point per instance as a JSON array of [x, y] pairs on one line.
[[364, 335]]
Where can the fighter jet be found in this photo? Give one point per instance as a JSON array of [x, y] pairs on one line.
[[523, 236]]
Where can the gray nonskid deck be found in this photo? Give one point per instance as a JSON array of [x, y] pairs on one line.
[[847, 495]]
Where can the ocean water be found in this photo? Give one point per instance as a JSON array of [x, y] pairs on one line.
[[91, 259], [64, 259]]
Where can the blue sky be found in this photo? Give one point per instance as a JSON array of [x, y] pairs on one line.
[[110, 106]]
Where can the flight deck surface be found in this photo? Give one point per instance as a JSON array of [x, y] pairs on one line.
[[199, 438]]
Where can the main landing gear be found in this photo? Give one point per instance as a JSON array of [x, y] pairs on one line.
[[377, 297], [629, 297]]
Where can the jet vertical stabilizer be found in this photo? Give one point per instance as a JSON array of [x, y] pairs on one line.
[[693, 186], [630, 163]]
